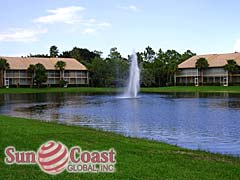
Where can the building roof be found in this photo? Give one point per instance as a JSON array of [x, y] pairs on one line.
[[49, 63], [214, 60]]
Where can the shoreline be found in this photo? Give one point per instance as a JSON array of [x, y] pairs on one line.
[[136, 158], [171, 89]]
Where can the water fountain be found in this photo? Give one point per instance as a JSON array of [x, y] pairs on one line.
[[134, 78]]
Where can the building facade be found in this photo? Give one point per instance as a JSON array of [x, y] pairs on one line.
[[74, 74], [215, 74]]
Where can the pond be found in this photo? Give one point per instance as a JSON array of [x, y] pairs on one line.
[[192, 120]]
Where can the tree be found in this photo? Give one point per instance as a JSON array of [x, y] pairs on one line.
[[147, 77], [164, 66], [231, 67], [158, 68], [122, 72], [38, 55], [98, 53], [40, 74], [114, 54], [31, 71], [172, 59], [61, 66], [83, 55], [98, 72], [186, 55], [65, 54], [201, 64], [140, 57], [54, 51], [117, 67], [3, 67], [149, 54]]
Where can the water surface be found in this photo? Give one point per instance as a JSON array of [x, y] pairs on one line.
[[196, 121]]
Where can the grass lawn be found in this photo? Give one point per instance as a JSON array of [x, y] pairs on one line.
[[57, 89], [230, 89], [136, 158]]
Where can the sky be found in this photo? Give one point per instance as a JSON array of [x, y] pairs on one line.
[[204, 27]]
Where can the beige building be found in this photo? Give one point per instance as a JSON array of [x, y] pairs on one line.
[[214, 74], [75, 73]]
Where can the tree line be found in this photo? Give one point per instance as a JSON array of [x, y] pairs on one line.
[[157, 68]]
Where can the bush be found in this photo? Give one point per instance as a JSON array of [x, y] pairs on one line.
[[63, 83]]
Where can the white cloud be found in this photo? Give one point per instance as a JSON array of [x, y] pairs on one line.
[[22, 35], [133, 8], [66, 15], [71, 16], [91, 27], [89, 31], [104, 24], [237, 46], [94, 23], [130, 8]]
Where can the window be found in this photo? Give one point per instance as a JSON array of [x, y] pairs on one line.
[[187, 72], [23, 74]]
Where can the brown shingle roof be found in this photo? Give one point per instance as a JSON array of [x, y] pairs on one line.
[[214, 60], [49, 63]]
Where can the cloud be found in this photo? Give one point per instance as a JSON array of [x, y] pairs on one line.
[[67, 15], [92, 26], [130, 8], [104, 24], [71, 16], [237, 46], [22, 35], [89, 31]]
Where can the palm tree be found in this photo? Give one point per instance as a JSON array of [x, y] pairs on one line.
[[54, 51], [31, 71], [40, 74], [201, 64], [231, 67], [61, 66], [3, 67]]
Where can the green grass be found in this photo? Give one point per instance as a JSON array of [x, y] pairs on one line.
[[230, 89], [57, 89], [136, 158]]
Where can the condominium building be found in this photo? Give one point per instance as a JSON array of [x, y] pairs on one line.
[[215, 74], [74, 73]]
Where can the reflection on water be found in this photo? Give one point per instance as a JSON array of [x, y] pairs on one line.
[[192, 120]]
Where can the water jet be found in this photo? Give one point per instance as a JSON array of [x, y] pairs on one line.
[[133, 87]]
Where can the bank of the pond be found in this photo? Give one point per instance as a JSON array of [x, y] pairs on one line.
[[58, 90], [136, 158], [230, 89]]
